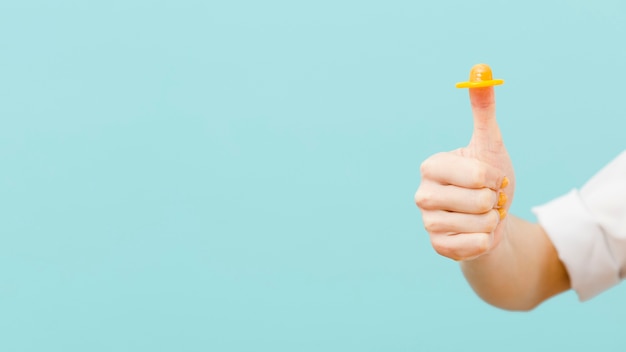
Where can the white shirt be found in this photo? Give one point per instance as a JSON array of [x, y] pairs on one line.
[[588, 230]]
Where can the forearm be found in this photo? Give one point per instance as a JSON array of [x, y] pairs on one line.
[[521, 272]]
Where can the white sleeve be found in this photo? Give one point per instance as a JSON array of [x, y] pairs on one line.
[[588, 230]]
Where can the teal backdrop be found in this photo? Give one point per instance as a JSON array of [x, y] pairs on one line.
[[239, 175]]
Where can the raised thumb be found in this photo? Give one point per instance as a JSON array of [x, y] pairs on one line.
[[486, 135], [486, 130]]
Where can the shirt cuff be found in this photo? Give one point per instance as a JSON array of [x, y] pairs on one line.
[[580, 243]]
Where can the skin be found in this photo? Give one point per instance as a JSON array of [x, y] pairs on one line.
[[464, 198]]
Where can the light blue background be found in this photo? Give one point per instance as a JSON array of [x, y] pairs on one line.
[[239, 175]]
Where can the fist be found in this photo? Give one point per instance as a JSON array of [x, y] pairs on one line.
[[463, 203]]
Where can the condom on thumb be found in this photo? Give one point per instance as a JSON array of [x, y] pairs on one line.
[[486, 133]]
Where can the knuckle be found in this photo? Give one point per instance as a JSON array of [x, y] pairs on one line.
[[492, 221], [482, 245], [484, 200], [478, 177], [417, 198], [423, 198], [432, 224], [425, 167]]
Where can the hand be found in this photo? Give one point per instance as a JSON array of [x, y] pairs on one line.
[[465, 194]]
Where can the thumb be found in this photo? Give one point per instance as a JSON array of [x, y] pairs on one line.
[[486, 131], [486, 134]]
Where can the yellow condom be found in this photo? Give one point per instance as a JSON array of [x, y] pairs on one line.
[[480, 76]]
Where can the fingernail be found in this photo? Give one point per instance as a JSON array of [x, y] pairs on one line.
[[502, 198], [505, 182], [502, 213]]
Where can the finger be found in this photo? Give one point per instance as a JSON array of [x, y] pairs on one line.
[[486, 135], [453, 169], [462, 246], [448, 223], [433, 196]]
